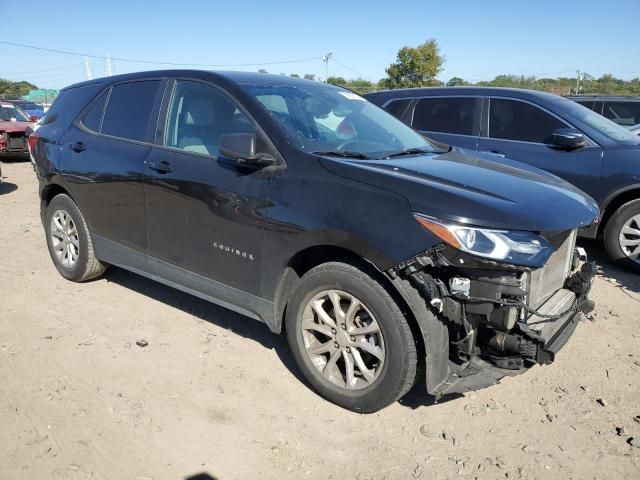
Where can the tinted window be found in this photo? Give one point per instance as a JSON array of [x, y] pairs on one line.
[[446, 115], [93, 118], [623, 113], [128, 113], [199, 114], [513, 120], [397, 108]]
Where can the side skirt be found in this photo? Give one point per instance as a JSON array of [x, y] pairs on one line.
[[184, 280]]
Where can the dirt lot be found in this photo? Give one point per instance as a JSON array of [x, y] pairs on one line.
[[216, 394]]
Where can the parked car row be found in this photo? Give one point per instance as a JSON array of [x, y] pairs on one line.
[[382, 254], [546, 131]]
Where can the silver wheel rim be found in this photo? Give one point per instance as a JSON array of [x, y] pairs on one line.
[[343, 340], [630, 238], [64, 238]]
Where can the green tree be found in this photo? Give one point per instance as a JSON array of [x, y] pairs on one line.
[[415, 66], [294, 75], [337, 81], [456, 82], [15, 90], [309, 76], [262, 70]]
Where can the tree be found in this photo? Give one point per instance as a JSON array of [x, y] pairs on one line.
[[15, 90], [415, 66], [294, 75], [262, 70], [337, 81], [309, 76], [456, 82]]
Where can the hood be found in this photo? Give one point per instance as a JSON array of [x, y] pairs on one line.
[[471, 189], [6, 126]]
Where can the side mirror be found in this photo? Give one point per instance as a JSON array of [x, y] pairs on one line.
[[568, 138], [243, 147]]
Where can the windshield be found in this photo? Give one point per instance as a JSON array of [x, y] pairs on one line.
[[322, 118], [11, 113], [603, 125]]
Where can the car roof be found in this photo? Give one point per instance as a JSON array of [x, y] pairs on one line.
[[480, 91], [242, 78], [604, 97]]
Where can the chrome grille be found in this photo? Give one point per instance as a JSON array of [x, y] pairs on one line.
[[545, 281]]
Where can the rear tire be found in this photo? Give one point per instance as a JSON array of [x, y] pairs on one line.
[[620, 238], [69, 241], [360, 355]]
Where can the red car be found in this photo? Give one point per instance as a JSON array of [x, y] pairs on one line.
[[15, 126]]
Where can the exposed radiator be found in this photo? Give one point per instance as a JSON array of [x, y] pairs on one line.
[[546, 281]]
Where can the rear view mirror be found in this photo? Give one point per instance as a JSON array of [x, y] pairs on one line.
[[243, 147], [569, 138]]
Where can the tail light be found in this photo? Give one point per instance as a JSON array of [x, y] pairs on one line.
[[32, 141]]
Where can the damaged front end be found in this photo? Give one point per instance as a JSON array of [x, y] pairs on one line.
[[482, 320]]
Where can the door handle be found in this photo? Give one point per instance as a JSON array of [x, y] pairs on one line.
[[77, 147], [498, 153], [160, 167]]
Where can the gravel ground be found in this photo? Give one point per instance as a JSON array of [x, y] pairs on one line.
[[216, 395]]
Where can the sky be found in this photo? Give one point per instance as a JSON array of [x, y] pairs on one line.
[[479, 39]]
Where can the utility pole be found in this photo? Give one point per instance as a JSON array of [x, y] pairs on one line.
[[87, 69], [109, 69], [577, 82], [325, 59]]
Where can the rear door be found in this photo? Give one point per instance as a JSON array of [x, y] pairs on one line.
[[104, 161], [522, 131], [454, 120]]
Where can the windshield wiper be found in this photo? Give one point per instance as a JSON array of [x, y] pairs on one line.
[[408, 151], [345, 154]]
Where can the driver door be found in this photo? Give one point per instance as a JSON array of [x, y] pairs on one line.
[[204, 212]]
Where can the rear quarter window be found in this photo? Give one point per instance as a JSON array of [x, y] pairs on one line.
[[129, 110]]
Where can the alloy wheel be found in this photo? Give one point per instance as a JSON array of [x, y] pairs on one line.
[[64, 238], [630, 238], [343, 340]]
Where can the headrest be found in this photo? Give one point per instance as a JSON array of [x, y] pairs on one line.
[[200, 112]]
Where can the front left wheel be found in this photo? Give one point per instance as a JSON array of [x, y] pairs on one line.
[[350, 338], [69, 241]]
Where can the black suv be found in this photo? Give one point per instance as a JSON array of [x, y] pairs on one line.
[[624, 111], [304, 206], [543, 130]]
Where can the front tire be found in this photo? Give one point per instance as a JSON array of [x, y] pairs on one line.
[[622, 236], [69, 241], [350, 339]]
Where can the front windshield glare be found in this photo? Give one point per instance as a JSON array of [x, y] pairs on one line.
[[603, 125], [323, 118]]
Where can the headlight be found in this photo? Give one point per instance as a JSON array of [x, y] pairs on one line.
[[516, 247]]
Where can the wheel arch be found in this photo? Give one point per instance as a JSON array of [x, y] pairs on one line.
[[615, 201], [311, 257]]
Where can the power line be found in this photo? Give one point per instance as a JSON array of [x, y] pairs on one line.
[[153, 62], [351, 69], [56, 69]]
